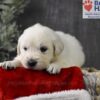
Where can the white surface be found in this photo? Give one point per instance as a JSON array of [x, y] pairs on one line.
[[63, 95]]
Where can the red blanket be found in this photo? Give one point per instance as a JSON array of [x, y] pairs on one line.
[[24, 82]]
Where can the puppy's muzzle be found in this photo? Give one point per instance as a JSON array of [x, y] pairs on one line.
[[32, 63]]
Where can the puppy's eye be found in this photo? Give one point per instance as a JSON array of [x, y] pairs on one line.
[[25, 48], [43, 49]]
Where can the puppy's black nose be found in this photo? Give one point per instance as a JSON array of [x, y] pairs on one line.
[[32, 63]]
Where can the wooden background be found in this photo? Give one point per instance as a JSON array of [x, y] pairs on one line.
[[66, 15]]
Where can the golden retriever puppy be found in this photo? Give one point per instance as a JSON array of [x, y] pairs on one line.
[[40, 47]]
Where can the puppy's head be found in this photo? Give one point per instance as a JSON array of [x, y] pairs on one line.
[[38, 46]]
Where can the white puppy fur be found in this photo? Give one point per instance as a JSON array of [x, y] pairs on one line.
[[40, 47]]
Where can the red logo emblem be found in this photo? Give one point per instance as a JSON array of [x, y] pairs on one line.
[[87, 5]]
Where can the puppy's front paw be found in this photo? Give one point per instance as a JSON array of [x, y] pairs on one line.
[[7, 65], [53, 69]]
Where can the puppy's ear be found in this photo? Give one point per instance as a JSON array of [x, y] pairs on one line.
[[18, 45], [57, 45], [18, 49]]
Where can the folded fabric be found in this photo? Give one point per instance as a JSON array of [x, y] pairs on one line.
[[24, 82]]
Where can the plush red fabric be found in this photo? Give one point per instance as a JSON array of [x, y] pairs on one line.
[[24, 82]]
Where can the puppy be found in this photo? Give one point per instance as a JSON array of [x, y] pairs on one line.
[[40, 47]]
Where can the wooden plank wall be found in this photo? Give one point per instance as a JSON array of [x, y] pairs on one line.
[[66, 15]]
